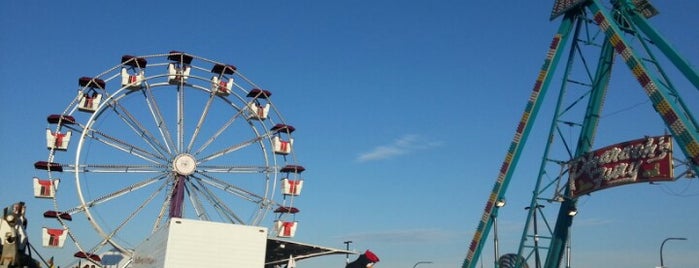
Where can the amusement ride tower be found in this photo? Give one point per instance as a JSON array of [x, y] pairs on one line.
[[590, 39]]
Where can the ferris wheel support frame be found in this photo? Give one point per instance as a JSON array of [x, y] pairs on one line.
[[215, 177]]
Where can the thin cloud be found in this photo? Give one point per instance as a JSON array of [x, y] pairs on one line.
[[402, 146]]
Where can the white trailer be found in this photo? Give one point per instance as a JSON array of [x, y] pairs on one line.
[[190, 243]]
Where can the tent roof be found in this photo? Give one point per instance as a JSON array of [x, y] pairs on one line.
[[278, 251]]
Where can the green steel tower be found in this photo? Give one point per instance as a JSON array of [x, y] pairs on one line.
[[618, 32]]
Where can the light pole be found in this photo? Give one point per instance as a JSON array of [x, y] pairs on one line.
[[421, 262], [537, 258], [663, 244], [347, 243], [571, 213], [498, 204]]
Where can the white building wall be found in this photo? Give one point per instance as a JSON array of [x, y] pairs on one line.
[[190, 243]]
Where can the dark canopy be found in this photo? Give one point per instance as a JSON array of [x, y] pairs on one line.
[[278, 251]]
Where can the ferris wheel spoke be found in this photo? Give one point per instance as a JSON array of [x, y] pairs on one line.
[[180, 117], [164, 207], [112, 195], [230, 188], [159, 119], [219, 132], [219, 204], [114, 168], [120, 192], [135, 125], [100, 246], [124, 146], [116, 143], [235, 169], [202, 118], [196, 203], [136, 211], [230, 149], [95, 249]]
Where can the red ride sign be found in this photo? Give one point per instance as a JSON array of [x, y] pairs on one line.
[[643, 160]]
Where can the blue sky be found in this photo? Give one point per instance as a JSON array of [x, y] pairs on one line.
[[403, 110]]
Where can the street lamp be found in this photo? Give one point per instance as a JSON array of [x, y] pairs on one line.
[[347, 243], [663, 244], [421, 262], [498, 204]]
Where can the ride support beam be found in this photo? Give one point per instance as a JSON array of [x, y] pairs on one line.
[[177, 198], [521, 135], [670, 52], [600, 86], [678, 120]]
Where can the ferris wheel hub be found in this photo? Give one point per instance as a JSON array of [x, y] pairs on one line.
[[184, 164]]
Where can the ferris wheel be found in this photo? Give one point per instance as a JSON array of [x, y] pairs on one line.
[[165, 136]]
